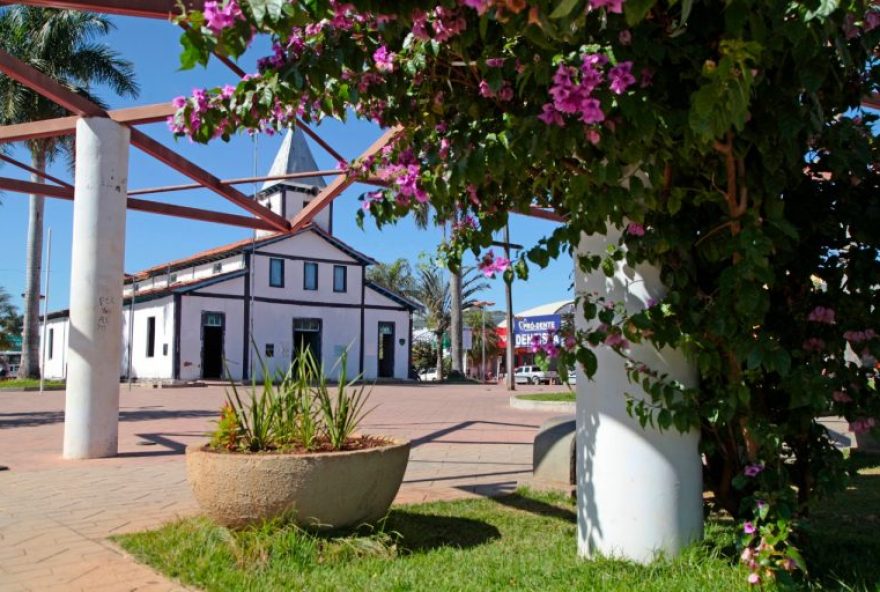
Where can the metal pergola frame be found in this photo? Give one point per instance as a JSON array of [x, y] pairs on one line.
[[263, 218]]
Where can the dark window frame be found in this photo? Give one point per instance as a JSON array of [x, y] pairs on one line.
[[218, 268], [51, 343], [151, 337], [274, 261], [344, 288], [270, 350], [306, 266]]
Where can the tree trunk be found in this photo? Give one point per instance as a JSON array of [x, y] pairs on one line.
[[439, 355], [30, 346], [456, 329]]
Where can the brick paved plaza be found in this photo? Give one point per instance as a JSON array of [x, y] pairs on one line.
[[56, 515]]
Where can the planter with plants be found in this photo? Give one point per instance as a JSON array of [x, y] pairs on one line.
[[293, 451]]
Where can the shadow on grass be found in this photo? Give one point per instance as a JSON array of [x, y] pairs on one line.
[[425, 532], [534, 506], [842, 537]]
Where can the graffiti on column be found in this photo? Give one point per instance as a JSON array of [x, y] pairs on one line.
[[105, 307]]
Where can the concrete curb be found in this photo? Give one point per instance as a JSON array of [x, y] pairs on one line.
[[31, 389], [552, 406]]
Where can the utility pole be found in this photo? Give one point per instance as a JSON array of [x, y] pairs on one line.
[[45, 310], [508, 297]]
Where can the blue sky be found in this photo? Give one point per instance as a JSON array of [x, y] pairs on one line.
[[151, 239]]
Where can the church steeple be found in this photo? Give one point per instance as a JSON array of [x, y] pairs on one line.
[[295, 156], [288, 196]]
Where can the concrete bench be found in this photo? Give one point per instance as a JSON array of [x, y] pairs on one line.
[[553, 455]]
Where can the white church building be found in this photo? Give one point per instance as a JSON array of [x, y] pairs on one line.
[[224, 312]]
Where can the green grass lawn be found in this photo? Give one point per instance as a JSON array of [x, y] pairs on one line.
[[563, 397], [22, 383], [520, 542]]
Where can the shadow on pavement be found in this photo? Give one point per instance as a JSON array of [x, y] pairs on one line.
[[39, 418]]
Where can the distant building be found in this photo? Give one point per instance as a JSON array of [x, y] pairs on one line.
[[205, 316], [539, 323]]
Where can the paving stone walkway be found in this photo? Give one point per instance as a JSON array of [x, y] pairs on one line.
[[56, 516]]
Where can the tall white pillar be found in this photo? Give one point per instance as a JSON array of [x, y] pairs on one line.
[[91, 416], [639, 491]]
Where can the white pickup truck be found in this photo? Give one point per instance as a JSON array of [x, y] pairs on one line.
[[534, 375]]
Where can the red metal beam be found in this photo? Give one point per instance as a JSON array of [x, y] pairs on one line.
[[141, 205], [206, 179], [536, 212], [241, 181], [159, 9], [29, 187], [339, 184], [48, 87], [63, 126], [39, 82], [43, 175]]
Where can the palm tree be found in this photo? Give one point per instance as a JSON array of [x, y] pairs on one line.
[[10, 320], [396, 276], [61, 44], [482, 324], [433, 292]]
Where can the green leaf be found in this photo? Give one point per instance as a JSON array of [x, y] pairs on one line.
[[563, 9], [588, 360], [636, 10]]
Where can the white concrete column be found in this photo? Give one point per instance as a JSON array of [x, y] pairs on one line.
[[91, 416], [639, 491]]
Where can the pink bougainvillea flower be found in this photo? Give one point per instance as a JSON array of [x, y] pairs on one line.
[[859, 336], [481, 6], [490, 264], [749, 528], [635, 229], [551, 116], [178, 102], [486, 90], [616, 341], [748, 554], [495, 62], [506, 92], [753, 470], [862, 426], [593, 136], [841, 397], [872, 20], [615, 6], [621, 77], [823, 315], [384, 59], [753, 579], [218, 18]]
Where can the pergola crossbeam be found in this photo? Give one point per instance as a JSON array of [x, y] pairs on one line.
[[157, 9], [49, 88], [142, 205], [63, 126], [43, 175]]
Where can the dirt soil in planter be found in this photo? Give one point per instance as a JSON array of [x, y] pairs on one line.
[[322, 445]]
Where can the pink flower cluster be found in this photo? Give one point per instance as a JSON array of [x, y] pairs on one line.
[[823, 315], [481, 6], [862, 426], [384, 59], [218, 18], [616, 341], [753, 470], [404, 175], [615, 6], [859, 336], [505, 93], [572, 89], [445, 23], [635, 229], [490, 264]]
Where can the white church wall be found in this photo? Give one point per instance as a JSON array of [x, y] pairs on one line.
[[56, 355], [230, 287], [312, 248], [340, 329], [192, 307], [159, 365], [372, 318]]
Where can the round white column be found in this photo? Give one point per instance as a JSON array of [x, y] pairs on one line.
[[639, 491], [91, 416]]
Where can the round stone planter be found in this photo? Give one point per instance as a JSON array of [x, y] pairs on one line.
[[319, 490]]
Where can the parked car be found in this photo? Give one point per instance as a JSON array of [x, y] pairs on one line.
[[535, 375], [429, 375]]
